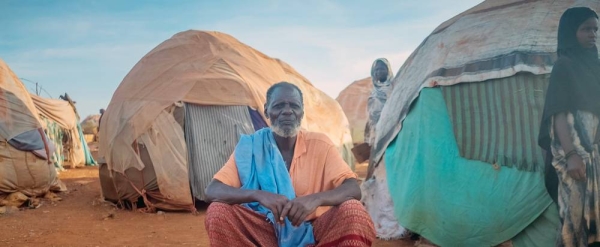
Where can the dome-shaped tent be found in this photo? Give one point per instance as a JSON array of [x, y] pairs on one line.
[[176, 117], [463, 118], [22, 142], [90, 124], [353, 100], [60, 121]]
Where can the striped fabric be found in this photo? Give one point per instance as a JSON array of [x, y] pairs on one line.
[[497, 121], [211, 133]]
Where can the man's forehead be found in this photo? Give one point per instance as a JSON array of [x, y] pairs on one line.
[[286, 94]]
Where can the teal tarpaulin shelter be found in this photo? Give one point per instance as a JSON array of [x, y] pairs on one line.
[[456, 141], [454, 201]]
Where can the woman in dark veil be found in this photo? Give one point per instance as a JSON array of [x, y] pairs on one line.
[[570, 127]]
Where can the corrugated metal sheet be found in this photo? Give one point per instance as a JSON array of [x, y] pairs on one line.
[[497, 121], [211, 133]]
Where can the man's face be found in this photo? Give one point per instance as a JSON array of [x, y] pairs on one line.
[[381, 71], [285, 111], [588, 32]]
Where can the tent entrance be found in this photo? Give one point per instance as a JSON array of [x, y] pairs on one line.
[[211, 134]]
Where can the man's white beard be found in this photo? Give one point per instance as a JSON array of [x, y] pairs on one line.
[[286, 133]]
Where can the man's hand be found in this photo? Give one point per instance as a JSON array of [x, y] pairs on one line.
[[273, 202], [299, 208], [576, 167]]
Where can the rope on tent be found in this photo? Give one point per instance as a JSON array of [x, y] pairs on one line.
[[36, 86]]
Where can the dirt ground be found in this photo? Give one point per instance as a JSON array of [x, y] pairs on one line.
[[82, 219]]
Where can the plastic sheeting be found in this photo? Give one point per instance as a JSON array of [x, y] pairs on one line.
[[453, 201]]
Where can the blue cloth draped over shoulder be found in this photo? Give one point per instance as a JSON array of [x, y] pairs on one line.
[[261, 167]]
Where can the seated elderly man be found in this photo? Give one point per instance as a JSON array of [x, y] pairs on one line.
[[284, 186]]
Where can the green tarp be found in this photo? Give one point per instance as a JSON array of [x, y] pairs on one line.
[[89, 160], [453, 201]]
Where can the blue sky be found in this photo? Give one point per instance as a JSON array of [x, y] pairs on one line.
[[85, 48]]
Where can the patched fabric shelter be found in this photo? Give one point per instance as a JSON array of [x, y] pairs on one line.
[[90, 124], [457, 137], [24, 148], [60, 121], [176, 117]]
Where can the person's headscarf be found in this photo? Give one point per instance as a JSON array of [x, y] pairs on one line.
[[575, 79], [390, 73], [377, 99]]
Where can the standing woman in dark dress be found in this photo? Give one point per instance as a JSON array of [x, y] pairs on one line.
[[570, 127]]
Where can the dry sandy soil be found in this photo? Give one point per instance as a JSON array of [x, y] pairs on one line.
[[82, 219]]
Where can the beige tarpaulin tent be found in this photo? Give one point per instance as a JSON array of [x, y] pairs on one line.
[[353, 100], [141, 137], [60, 120], [90, 124], [58, 110], [21, 171], [90, 128]]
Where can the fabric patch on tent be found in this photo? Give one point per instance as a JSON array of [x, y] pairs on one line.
[[57, 136], [453, 201], [211, 133], [89, 159], [28, 141], [497, 121]]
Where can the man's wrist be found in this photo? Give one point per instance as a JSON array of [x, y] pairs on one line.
[[318, 199], [255, 195]]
